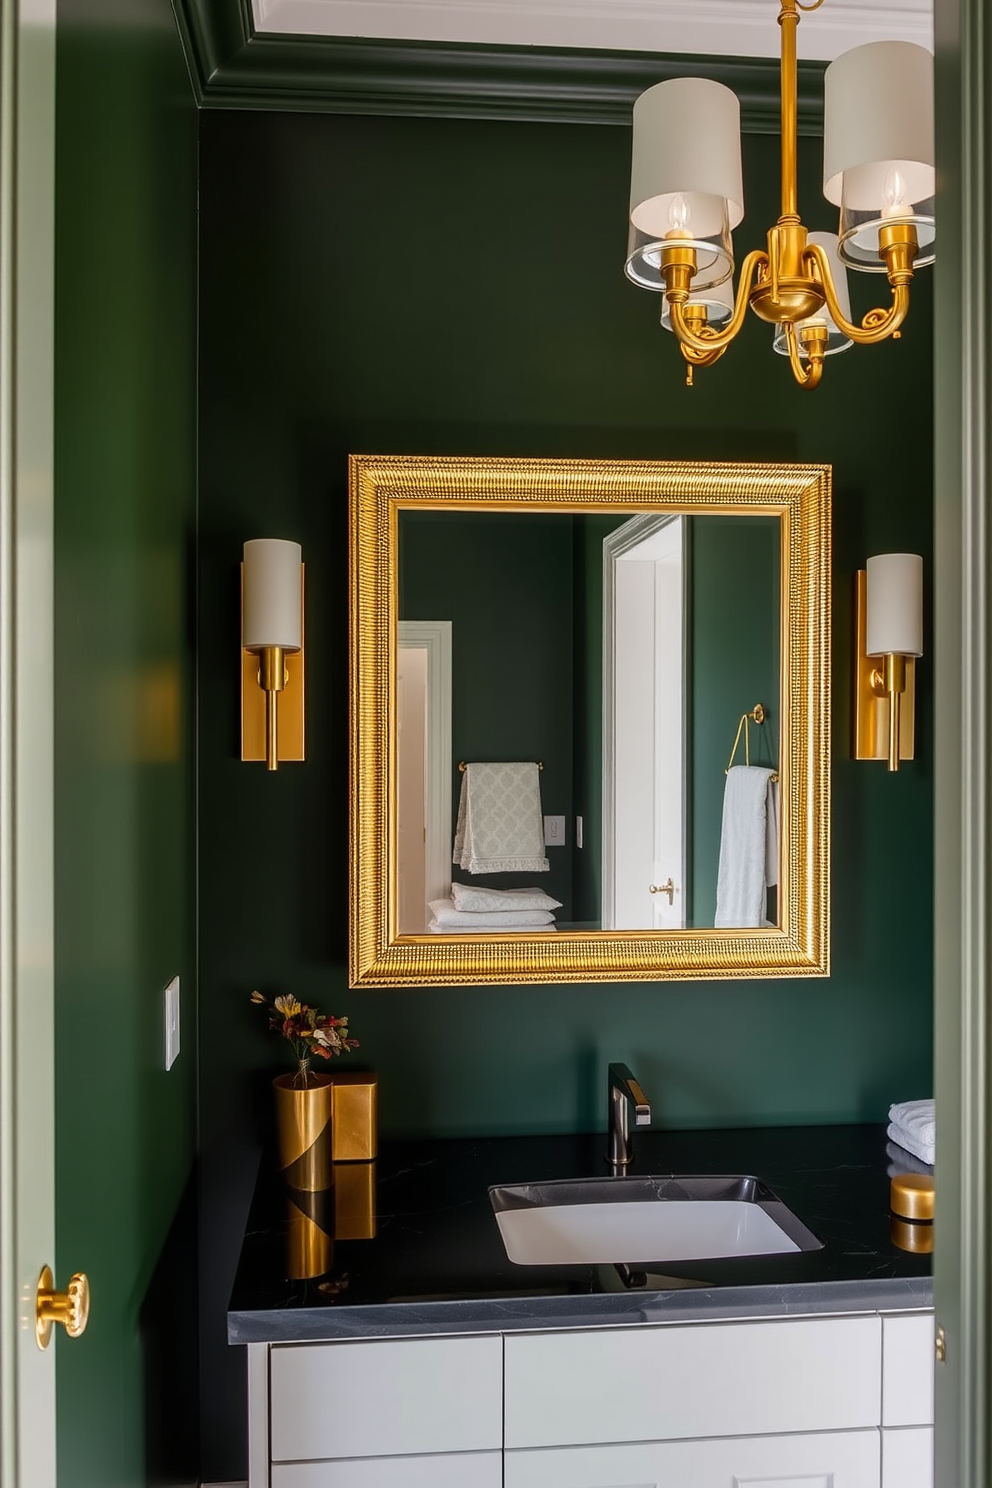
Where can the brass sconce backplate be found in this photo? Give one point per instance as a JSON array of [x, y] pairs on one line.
[[871, 704], [290, 702]]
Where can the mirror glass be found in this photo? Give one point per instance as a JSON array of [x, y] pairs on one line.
[[620, 652], [589, 720]]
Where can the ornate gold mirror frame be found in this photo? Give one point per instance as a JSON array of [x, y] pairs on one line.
[[799, 495]]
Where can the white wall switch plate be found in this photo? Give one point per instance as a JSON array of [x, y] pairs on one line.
[[172, 1023], [554, 831], [578, 831]]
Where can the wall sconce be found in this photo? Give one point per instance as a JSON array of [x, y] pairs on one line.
[[272, 657], [888, 630]]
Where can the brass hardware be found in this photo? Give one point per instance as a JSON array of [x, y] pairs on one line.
[[756, 715], [911, 1235], [71, 1308], [273, 697], [665, 888], [463, 766], [792, 279], [911, 1196], [875, 706], [940, 1344]]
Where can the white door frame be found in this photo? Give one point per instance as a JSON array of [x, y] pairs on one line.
[[27, 1076], [434, 636], [617, 546]]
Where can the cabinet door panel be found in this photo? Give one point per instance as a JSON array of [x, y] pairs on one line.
[[712, 1379], [455, 1470], [907, 1370], [907, 1457], [843, 1459], [386, 1397]]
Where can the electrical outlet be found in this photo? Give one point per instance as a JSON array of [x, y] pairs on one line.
[[172, 1023], [554, 831]]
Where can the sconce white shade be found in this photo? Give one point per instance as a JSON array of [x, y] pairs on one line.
[[836, 340], [685, 178], [878, 146], [272, 594], [895, 605]]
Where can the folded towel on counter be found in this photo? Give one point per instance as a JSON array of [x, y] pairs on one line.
[[745, 848], [500, 826], [477, 900], [913, 1124], [446, 915], [508, 925], [901, 1161]]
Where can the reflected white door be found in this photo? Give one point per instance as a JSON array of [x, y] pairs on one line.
[[423, 769], [644, 726]]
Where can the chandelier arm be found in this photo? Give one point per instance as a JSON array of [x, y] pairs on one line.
[[718, 339], [808, 376], [877, 325]]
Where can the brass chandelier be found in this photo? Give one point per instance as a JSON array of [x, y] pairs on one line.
[[687, 195]]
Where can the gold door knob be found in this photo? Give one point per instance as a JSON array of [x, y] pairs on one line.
[[71, 1308], [665, 888]]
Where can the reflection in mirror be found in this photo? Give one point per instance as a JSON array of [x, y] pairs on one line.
[[620, 651]]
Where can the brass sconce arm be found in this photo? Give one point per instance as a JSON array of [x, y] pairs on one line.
[[678, 292], [877, 325]]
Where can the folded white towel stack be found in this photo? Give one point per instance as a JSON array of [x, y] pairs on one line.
[[901, 1161], [447, 917], [913, 1125], [748, 856], [500, 827], [476, 900]]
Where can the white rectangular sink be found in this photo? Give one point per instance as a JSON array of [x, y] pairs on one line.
[[643, 1221]]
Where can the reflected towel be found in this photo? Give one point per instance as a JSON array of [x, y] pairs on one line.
[[511, 927], [742, 882], [473, 899], [500, 827], [448, 917], [901, 1161]]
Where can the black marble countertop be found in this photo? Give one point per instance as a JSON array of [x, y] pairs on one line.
[[437, 1264]]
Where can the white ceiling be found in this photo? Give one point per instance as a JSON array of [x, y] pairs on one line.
[[741, 28]]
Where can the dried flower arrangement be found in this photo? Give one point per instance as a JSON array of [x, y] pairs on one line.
[[309, 1031]]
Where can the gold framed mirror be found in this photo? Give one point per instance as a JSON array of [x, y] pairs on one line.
[[725, 557]]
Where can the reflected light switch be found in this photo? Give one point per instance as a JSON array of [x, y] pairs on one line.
[[554, 831], [172, 1023]]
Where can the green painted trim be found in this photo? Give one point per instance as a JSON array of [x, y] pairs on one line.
[[963, 766], [239, 69]]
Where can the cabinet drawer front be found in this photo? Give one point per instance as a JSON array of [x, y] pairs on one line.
[[378, 1399], [658, 1383], [842, 1459], [907, 1457], [455, 1470], [907, 1370]]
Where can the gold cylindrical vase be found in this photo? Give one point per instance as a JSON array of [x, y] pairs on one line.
[[303, 1130]]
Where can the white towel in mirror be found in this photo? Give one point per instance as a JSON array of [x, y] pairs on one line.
[[745, 848], [500, 826]]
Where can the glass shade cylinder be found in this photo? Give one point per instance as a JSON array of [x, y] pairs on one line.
[[686, 186], [836, 340], [719, 302], [895, 605], [878, 148], [272, 594]]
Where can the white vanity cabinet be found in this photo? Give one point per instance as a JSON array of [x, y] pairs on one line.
[[813, 1402]]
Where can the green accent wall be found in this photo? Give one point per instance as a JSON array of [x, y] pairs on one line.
[[435, 286], [124, 852]]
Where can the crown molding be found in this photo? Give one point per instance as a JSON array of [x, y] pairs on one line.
[[744, 28], [234, 66]]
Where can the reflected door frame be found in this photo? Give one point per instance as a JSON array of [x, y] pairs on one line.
[[644, 695], [434, 637]]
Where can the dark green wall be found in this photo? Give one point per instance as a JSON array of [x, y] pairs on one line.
[[125, 871], [456, 287]]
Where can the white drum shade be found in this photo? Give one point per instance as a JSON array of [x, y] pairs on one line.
[[878, 110], [836, 340], [272, 594], [895, 605], [687, 141]]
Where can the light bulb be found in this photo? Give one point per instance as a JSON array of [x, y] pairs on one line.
[[678, 217], [894, 193]]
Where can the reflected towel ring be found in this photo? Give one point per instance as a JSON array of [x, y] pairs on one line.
[[463, 766], [756, 715]]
